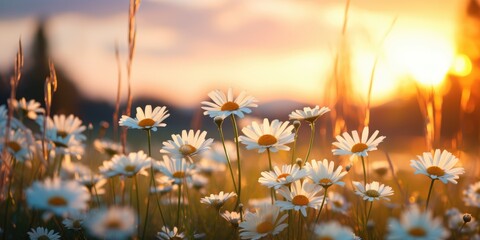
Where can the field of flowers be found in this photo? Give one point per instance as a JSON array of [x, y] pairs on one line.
[[61, 178]]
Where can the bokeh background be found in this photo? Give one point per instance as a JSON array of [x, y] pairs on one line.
[[281, 52]]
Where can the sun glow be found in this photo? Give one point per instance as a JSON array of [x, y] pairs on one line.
[[461, 66], [427, 59]]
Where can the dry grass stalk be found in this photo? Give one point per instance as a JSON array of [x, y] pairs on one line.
[[14, 80], [49, 88], [372, 74], [132, 35], [119, 87]]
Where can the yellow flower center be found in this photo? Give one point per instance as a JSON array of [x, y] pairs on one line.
[[434, 170], [372, 193], [43, 237], [267, 140], [62, 134], [282, 176], [337, 204], [57, 201], [113, 224], [325, 238], [179, 174], [146, 123], [300, 200], [187, 149], [325, 181], [230, 106], [129, 168], [265, 227], [417, 232], [359, 147], [14, 146]]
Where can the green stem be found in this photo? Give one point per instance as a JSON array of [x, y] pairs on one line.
[[220, 130], [294, 146], [321, 206], [152, 182], [312, 137], [112, 185], [178, 203], [96, 195], [149, 136], [369, 211], [429, 193], [364, 171], [269, 159], [272, 191], [138, 207], [237, 145]]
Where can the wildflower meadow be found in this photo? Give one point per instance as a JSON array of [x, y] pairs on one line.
[[304, 175]]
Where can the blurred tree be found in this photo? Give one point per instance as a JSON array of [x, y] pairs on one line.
[[66, 99]]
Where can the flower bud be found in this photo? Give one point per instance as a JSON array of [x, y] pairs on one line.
[[467, 217]]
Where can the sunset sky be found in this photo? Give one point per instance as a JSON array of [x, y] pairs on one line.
[[270, 48]]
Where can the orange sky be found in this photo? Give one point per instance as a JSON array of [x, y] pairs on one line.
[[272, 49]]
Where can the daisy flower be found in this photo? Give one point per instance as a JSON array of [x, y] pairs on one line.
[[333, 230], [64, 126], [225, 105], [337, 203], [163, 185], [67, 145], [30, 109], [176, 169], [273, 136], [72, 170], [135, 162], [438, 166], [233, 218], [146, 120], [414, 224], [217, 153], [114, 223], [198, 182], [472, 195], [217, 200], [308, 114], [106, 169], [264, 221], [93, 182], [285, 176], [373, 191], [323, 173], [187, 144], [167, 234], [107, 146], [301, 196], [74, 221], [207, 166], [57, 196], [17, 145], [354, 146], [41, 233]]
